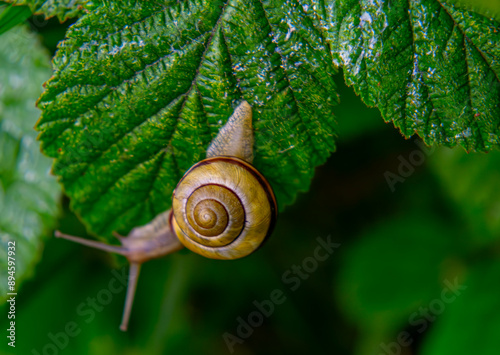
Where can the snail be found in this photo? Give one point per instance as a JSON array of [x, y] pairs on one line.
[[222, 208]]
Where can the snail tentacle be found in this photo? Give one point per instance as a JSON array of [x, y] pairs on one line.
[[93, 244], [133, 277]]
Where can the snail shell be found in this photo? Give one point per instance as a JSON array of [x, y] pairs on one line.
[[223, 208]]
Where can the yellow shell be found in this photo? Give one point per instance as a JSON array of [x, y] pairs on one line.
[[223, 208]]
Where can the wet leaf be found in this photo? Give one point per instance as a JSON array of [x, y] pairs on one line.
[[28, 194], [63, 9], [140, 89], [430, 67]]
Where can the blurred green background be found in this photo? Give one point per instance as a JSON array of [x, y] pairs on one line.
[[417, 270]]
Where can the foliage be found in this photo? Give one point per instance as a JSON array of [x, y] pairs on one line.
[[134, 101], [429, 67], [425, 279], [471, 180], [12, 16], [28, 194], [475, 307], [63, 9], [488, 8], [138, 91]]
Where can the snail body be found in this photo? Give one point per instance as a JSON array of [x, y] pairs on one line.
[[222, 208]]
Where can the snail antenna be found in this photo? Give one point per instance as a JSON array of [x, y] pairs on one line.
[[93, 244], [133, 276]]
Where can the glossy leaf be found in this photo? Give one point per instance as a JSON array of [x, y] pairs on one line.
[[28, 194], [63, 9], [140, 90], [430, 67]]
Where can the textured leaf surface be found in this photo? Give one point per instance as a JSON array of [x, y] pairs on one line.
[[63, 9], [431, 68], [28, 194], [140, 90]]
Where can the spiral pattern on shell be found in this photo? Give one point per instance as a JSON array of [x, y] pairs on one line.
[[223, 208]]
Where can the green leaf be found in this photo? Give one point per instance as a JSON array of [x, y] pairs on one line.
[[28, 194], [470, 324], [430, 67], [135, 101], [471, 180], [63, 9], [12, 16], [393, 269], [488, 8]]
